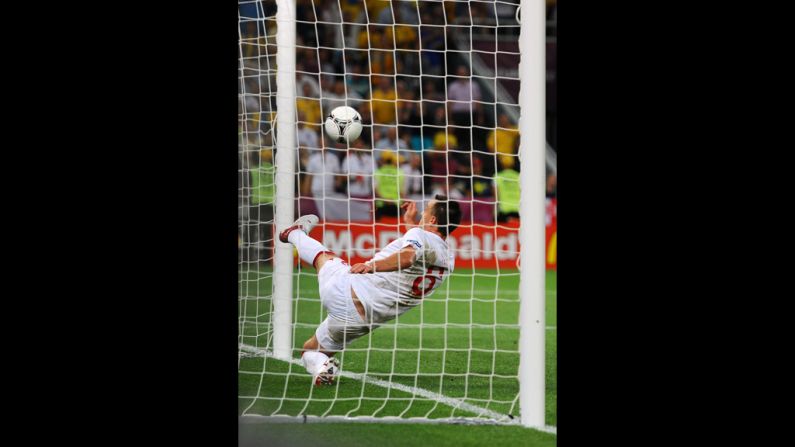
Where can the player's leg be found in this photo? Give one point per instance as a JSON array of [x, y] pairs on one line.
[[314, 345], [344, 324], [333, 335], [309, 250]]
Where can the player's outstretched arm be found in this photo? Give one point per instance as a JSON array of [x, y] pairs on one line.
[[400, 260]]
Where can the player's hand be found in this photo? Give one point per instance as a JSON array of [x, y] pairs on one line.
[[411, 212], [361, 268]]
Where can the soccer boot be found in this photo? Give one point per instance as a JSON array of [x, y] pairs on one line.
[[304, 223], [329, 372]]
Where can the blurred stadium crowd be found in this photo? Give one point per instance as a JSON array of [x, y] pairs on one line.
[[436, 84]]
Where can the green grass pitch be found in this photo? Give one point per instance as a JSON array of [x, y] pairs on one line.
[[461, 343]]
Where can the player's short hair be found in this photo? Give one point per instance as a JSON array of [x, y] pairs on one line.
[[443, 209]]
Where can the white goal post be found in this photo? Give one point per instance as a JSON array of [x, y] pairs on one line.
[[274, 295], [285, 176], [532, 321]]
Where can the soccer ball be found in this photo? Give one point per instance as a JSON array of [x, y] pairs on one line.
[[344, 124]]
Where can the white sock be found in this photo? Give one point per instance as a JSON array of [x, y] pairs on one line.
[[313, 360], [308, 248]]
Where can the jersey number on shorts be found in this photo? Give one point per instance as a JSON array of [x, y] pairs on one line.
[[420, 292]]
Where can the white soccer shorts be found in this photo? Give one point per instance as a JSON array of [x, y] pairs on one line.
[[343, 323]]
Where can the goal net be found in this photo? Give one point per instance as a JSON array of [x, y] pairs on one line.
[[438, 87]]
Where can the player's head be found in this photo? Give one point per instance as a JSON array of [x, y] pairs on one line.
[[443, 213]]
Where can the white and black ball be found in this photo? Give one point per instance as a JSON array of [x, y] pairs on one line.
[[343, 125]]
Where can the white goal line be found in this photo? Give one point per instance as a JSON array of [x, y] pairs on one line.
[[449, 401], [304, 419]]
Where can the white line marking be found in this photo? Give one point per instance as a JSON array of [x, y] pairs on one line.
[[449, 401], [258, 418]]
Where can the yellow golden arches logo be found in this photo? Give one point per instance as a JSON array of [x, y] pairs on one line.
[[552, 250]]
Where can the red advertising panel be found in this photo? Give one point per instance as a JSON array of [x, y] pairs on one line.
[[475, 245]]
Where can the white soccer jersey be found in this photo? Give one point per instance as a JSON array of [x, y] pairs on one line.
[[386, 295]]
